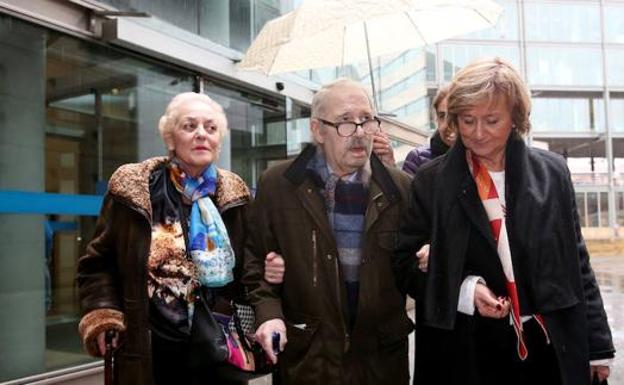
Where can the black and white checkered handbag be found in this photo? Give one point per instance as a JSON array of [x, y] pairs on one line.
[[247, 319]]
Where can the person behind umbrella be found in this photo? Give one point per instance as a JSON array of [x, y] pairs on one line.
[[509, 286], [440, 142], [170, 229], [332, 213]]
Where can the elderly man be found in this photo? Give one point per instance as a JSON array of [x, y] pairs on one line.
[[333, 214]]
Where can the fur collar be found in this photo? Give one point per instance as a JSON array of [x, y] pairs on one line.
[[130, 183]]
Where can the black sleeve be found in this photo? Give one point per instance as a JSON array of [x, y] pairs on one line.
[[599, 333], [414, 232]]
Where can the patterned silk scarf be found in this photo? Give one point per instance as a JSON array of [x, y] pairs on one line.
[[496, 215], [209, 242]]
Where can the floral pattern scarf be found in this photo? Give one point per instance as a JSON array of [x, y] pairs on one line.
[[209, 243]]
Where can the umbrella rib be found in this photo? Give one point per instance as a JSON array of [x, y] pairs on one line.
[[409, 17], [484, 18]]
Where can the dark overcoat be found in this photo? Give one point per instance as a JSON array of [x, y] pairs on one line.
[[550, 260], [289, 216]]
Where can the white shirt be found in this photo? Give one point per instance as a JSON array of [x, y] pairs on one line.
[[466, 292]]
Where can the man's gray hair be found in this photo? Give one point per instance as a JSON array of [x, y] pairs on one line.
[[318, 107]]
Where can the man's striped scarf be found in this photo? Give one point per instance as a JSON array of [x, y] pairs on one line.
[[345, 202], [496, 215]]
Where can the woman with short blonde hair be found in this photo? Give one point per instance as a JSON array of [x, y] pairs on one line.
[[510, 296], [487, 80]]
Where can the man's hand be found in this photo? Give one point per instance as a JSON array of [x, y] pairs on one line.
[[601, 371], [488, 305], [274, 268], [383, 149], [101, 341], [423, 258], [264, 335]]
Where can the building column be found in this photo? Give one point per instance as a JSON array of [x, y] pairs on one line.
[[608, 125]]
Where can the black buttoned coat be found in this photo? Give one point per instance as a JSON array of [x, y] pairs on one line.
[[551, 263]]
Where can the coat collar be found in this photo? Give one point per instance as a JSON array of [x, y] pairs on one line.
[[383, 191], [437, 145], [296, 173], [130, 183], [459, 183]]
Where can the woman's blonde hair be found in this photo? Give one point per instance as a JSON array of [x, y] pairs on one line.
[[170, 119], [486, 80]]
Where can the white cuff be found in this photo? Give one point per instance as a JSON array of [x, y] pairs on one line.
[[466, 294], [603, 362]]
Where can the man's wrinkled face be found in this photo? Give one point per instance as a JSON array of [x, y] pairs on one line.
[[346, 103]]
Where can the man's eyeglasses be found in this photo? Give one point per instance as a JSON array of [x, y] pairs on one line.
[[346, 129]]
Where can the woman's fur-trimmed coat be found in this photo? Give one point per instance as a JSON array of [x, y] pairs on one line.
[[112, 275]]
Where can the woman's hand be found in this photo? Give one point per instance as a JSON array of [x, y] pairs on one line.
[[264, 336], [274, 268], [488, 305], [383, 149], [423, 258], [601, 371], [101, 341]]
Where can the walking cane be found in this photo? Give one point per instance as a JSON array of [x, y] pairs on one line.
[[108, 358]]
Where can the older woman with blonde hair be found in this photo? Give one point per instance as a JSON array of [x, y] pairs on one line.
[[509, 294], [171, 231]]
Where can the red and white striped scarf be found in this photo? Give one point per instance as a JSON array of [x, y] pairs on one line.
[[496, 214]]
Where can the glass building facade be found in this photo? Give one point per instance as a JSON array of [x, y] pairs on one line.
[[571, 53]]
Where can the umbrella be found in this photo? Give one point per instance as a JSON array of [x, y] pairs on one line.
[[326, 33]]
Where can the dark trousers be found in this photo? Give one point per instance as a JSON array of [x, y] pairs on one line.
[[170, 366], [482, 351], [497, 355]]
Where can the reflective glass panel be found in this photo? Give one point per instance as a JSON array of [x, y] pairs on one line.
[[231, 23], [257, 126], [592, 209], [564, 66], [456, 56], [567, 115], [580, 206], [604, 209], [619, 203], [615, 66], [71, 112], [614, 28], [563, 21], [617, 114]]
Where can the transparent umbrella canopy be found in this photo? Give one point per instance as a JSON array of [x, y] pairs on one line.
[[326, 33]]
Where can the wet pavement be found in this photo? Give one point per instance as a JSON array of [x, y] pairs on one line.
[[610, 275]]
